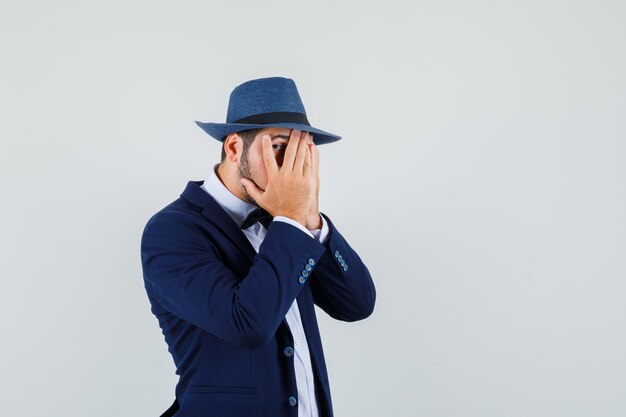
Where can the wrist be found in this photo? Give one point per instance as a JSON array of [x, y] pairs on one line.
[[314, 221]]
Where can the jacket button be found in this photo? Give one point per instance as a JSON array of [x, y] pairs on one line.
[[302, 279], [288, 351], [308, 267], [311, 261], [336, 254], [293, 401], [305, 273]]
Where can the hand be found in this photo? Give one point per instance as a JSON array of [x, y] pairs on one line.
[[290, 188]]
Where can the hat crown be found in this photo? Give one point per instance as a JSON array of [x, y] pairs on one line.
[[264, 95]]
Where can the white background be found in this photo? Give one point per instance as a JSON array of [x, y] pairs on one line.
[[480, 177]]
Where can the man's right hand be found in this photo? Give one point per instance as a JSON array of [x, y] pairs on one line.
[[291, 186]]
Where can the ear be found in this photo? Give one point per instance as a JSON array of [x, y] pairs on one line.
[[233, 146]]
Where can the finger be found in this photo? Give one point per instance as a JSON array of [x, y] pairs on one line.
[[315, 158], [268, 156], [298, 165], [290, 152], [309, 164], [306, 171], [251, 188]]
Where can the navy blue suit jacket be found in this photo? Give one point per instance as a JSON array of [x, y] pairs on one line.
[[221, 306]]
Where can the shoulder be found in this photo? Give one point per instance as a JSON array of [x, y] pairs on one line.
[[178, 216]]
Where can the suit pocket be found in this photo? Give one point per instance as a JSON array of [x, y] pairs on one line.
[[218, 401], [224, 390]]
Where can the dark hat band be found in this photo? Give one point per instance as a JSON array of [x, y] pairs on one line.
[[275, 117]]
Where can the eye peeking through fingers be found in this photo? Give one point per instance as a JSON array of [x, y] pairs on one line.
[[279, 152]]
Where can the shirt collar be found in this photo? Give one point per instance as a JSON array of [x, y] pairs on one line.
[[236, 208]]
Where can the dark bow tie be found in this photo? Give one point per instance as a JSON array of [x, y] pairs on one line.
[[257, 215]]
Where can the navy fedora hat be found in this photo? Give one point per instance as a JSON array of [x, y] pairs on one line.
[[266, 102]]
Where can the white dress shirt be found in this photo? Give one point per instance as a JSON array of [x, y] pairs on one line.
[[238, 210]]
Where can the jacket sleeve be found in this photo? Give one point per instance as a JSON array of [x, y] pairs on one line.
[[183, 270], [342, 285]]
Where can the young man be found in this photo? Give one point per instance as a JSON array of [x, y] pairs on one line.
[[234, 267]]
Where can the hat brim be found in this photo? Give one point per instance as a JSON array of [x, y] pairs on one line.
[[219, 131]]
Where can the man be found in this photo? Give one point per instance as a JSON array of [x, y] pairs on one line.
[[234, 267]]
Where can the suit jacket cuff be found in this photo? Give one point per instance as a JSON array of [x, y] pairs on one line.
[[293, 223]]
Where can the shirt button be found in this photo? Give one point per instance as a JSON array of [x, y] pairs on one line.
[[288, 351], [298, 342], [293, 401]]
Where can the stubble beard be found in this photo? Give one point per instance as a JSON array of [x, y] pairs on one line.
[[245, 172]]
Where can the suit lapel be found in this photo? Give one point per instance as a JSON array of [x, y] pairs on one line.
[[210, 209]]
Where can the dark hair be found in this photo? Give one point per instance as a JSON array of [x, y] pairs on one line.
[[247, 136]]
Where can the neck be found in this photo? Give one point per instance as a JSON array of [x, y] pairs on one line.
[[230, 178]]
